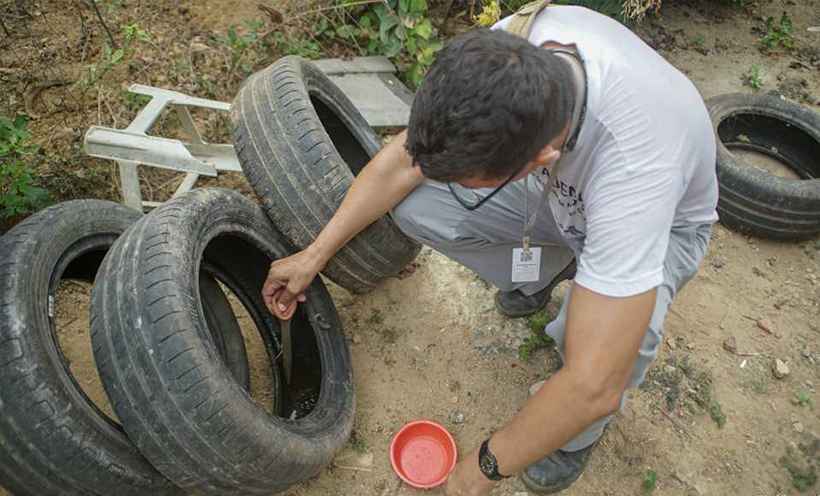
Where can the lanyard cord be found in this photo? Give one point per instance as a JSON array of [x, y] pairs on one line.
[[569, 144]]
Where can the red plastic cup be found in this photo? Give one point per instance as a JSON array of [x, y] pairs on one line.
[[423, 454]]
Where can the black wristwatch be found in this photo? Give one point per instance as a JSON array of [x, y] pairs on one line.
[[488, 464]]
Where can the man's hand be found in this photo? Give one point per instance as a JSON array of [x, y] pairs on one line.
[[467, 480], [294, 274]]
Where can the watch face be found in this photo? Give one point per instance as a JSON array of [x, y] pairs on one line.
[[487, 465]]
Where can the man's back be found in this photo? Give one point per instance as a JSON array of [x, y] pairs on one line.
[[644, 161]]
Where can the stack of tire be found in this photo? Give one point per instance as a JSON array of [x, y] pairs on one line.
[[167, 345]]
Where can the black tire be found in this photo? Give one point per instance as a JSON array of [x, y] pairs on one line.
[[751, 199], [224, 329], [53, 439], [300, 141], [175, 399]]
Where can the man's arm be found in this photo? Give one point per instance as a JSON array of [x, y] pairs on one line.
[[387, 179], [603, 336], [381, 185]]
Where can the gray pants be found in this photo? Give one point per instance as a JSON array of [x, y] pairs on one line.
[[483, 239]]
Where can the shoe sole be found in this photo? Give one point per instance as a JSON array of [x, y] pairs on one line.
[[536, 488], [567, 273]]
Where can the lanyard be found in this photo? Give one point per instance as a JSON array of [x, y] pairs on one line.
[[530, 219], [569, 144]]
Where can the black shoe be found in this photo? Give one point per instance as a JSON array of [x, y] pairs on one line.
[[517, 304], [557, 471]]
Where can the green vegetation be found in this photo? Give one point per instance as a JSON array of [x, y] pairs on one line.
[[686, 387], [778, 33], [537, 339], [704, 396], [650, 481], [803, 399], [112, 57], [239, 42], [18, 193], [754, 77], [801, 467], [399, 29]]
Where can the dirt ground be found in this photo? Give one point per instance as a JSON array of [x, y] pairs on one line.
[[432, 346]]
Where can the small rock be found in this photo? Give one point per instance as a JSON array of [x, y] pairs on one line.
[[356, 339], [806, 353], [780, 369], [352, 460], [690, 346], [669, 369], [536, 387], [454, 399], [457, 418], [758, 272], [730, 345], [766, 325], [798, 427], [671, 344]]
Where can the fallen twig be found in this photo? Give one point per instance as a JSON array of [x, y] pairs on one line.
[[335, 7], [5, 29], [353, 467], [104, 25]]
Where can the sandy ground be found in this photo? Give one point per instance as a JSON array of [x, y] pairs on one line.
[[432, 346]]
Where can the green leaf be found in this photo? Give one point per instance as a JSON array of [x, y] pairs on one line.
[[117, 56], [373, 47], [415, 75], [366, 22], [424, 29], [346, 31], [427, 56], [392, 47], [382, 12], [418, 6], [20, 122], [387, 24]]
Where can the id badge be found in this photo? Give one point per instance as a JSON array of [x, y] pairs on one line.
[[526, 266]]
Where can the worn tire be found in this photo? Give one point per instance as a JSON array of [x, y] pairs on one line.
[[300, 141], [751, 199], [176, 400], [53, 439]]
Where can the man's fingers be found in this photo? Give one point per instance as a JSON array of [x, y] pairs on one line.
[[285, 299], [270, 286], [301, 298]]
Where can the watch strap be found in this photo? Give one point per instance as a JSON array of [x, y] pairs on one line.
[[488, 464]]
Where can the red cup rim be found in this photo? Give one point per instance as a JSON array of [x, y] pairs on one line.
[[395, 463]]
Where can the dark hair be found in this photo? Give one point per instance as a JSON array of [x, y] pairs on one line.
[[490, 102]]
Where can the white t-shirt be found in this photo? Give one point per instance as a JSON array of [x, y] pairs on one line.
[[644, 162]]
